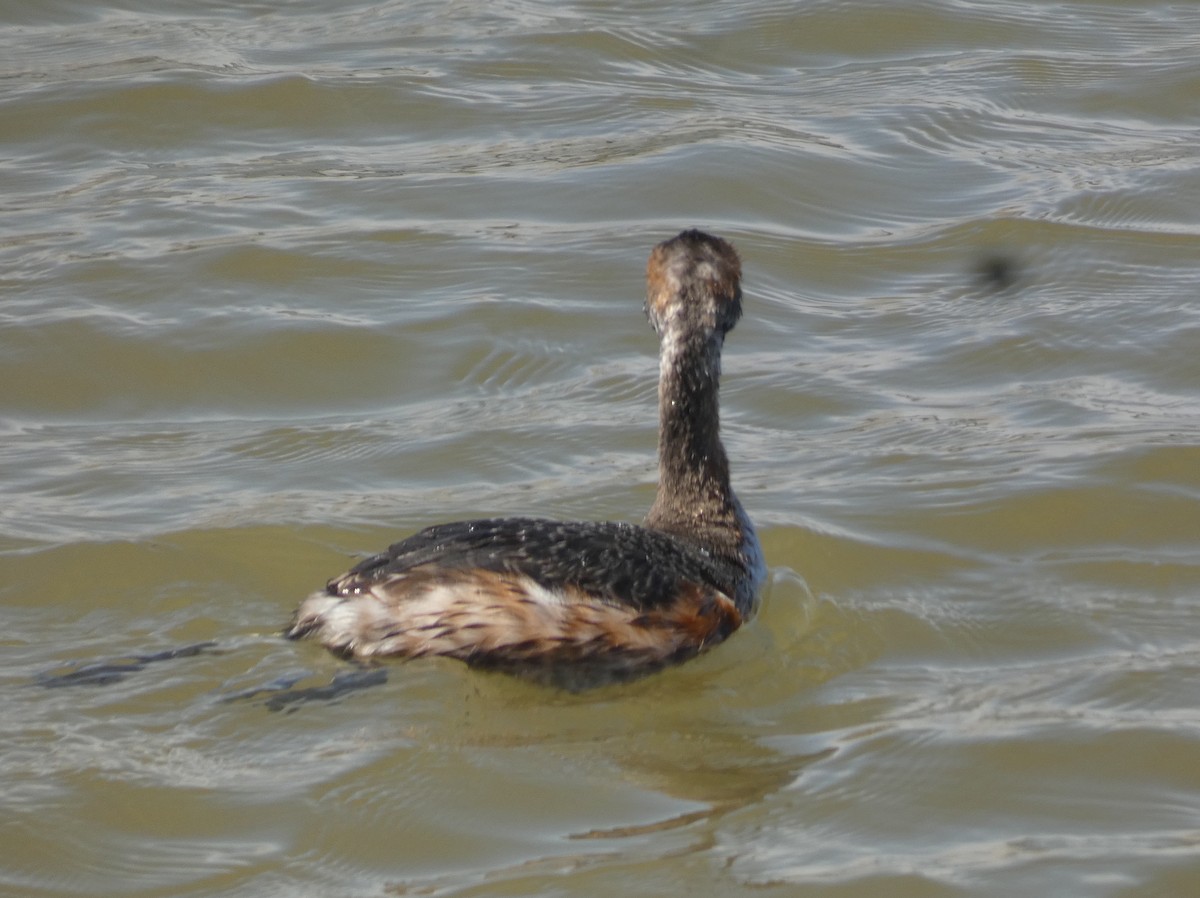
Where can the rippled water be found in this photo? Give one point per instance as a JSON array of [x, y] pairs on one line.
[[280, 283]]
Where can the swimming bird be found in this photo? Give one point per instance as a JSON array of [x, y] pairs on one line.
[[577, 604]]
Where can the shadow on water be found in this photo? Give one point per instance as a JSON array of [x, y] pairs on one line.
[[277, 695], [108, 672], [282, 696]]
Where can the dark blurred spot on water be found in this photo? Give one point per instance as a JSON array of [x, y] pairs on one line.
[[997, 271]]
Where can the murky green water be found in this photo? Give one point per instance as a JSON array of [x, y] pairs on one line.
[[281, 283]]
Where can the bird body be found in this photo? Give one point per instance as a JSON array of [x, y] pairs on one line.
[[576, 604]]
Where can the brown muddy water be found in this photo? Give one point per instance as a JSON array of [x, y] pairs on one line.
[[281, 283]]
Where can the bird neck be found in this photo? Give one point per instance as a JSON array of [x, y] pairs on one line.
[[694, 498]]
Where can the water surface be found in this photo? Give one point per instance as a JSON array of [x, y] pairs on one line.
[[280, 284]]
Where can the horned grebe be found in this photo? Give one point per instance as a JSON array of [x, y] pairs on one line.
[[577, 604]]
